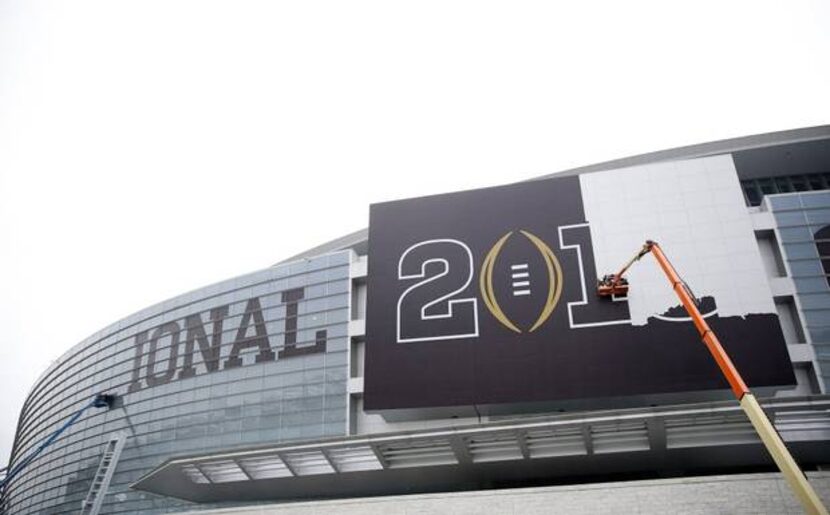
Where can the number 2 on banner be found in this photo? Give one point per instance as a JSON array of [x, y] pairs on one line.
[[430, 309]]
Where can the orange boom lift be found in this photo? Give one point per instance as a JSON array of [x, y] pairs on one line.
[[616, 284]]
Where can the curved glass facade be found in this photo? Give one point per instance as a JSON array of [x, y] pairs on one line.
[[260, 358]]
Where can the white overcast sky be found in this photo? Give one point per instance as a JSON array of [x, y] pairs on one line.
[[148, 148]]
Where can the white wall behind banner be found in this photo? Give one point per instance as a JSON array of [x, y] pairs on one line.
[[695, 210]]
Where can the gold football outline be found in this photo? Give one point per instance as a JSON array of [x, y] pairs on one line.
[[554, 280], [486, 284]]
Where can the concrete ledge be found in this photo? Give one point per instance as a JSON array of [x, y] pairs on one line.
[[732, 494]]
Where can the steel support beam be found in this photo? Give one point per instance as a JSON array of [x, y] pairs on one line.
[[287, 464], [656, 434], [461, 451], [328, 457], [521, 439], [239, 465], [379, 455], [588, 439]]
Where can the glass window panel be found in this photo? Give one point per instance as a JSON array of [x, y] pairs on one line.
[[795, 234], [815, 301], [785, 202], [816, 199], [783, 184], [752, 194], [818, 216], [816, 182], [806, 268], [767, 186], [790, 218], [799, 183]]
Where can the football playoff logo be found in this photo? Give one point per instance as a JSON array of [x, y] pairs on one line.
[[554, 272]]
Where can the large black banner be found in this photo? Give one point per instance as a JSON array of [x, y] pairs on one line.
[[488, 297]]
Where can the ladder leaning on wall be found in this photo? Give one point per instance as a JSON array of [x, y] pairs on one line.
[[91, 505]]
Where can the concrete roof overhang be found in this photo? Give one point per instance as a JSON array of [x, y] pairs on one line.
[[568, 447]]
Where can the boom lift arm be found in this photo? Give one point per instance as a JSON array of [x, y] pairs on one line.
[[617, 285], [102, 400]]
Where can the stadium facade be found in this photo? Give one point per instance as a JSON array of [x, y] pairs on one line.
[[276, 385]]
